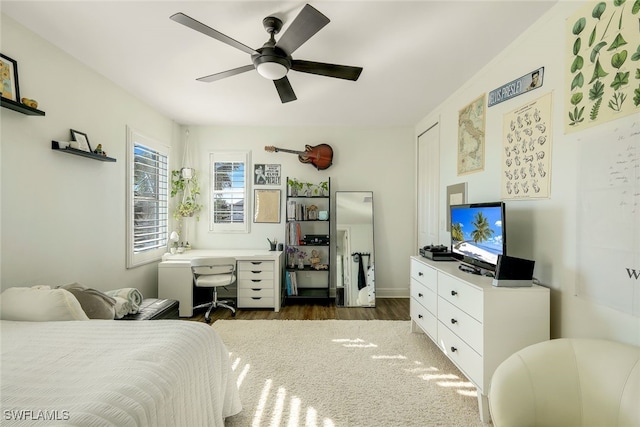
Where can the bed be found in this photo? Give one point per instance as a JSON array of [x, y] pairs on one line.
[[106, 372]]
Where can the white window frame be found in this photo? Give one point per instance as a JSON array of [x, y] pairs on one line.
[[236, 157], [137, 258]]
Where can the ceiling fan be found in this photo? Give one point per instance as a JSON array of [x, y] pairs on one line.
[[273, 60]]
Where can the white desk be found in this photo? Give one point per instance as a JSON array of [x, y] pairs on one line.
[[258, 277]]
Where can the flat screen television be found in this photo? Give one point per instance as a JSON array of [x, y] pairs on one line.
[[478, 234]]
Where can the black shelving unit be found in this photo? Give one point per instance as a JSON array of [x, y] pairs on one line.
[[21, 108], [68, 150], [311, 285]]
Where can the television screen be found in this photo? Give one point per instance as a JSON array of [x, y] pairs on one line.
[[478, 233]]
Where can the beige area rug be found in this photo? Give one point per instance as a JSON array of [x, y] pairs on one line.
[[337, 373]]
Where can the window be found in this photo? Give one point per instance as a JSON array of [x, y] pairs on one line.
[[228, 202], [147, 199]]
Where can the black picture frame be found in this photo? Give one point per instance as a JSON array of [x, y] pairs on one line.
[[82, 139], [9, 76]]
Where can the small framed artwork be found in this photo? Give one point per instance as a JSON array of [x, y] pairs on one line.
[[82, 139], [266, 206], [266, 174], [9, 73]]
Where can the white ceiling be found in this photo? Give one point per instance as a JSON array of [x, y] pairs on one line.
[[414, 54]]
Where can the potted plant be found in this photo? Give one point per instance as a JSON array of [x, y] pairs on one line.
[[295, 186], [291, 256], [185, 185], [324, 185]]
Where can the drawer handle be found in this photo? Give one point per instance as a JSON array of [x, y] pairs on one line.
[[453, 349], [256, 271], [454, 293], [256, 262], [454, 321], [255, 289], [419, 316], [420, 295], [420, 273], [256, 280], [256, 298]]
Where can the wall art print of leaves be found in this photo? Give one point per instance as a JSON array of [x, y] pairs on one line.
[[603, 63]]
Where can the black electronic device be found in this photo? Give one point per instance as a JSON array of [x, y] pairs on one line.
[[437, 253], [513, 272], [315, 239]]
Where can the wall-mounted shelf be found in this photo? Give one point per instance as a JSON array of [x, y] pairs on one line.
[[55, 146], [21, 108]]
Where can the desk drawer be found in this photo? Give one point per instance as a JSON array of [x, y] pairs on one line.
[[256, 266], [461, 324], [255, 292], [256, 283], [255, 275], [255, 302], [462, 295]]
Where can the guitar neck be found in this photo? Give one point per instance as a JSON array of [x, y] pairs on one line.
[[284, 150]]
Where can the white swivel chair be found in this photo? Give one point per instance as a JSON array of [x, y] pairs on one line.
[[213, 273]]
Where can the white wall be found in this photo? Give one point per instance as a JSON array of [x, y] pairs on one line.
[[543, 230], [63, 216], [371, 159]]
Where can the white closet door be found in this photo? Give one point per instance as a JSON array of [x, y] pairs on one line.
[[428, 186]]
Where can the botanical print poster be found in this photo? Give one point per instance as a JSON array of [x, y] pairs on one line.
[[603, 64], [526, 156], [471, 123]]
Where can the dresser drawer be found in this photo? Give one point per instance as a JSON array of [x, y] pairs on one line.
[[469, 362], [256, 266], [461, 324], [424, 274], [255, 302], [255, 292], [255, 275], [424, 295], [426, 320], [462, 295]]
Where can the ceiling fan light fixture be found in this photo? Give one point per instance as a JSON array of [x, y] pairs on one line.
[[272, 70]]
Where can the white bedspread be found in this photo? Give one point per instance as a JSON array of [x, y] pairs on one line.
[[120, 373]]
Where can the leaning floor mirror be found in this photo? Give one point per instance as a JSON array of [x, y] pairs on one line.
[[355, 277]]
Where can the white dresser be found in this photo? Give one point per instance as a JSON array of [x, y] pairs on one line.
[[256, 284], [475, 324]]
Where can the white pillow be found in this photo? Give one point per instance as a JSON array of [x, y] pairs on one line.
[[39, 304]]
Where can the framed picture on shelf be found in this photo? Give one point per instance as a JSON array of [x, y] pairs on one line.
[[266, 206], [9, 72], [82, 139]]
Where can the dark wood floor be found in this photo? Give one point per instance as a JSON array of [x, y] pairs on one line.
[[385, 309]]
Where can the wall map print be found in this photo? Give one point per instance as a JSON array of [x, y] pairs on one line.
[[603, 59], [471, 123], [526, 156]]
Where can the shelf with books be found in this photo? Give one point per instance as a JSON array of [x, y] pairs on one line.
[[307, 245]]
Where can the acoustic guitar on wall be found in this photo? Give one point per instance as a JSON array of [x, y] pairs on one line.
[[319, 156]]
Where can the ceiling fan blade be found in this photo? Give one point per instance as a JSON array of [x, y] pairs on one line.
[[225, 74], [330, 70], [183, 19], [308, 22], [285, 90]]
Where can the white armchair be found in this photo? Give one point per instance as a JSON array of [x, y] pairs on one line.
[[570, 383]]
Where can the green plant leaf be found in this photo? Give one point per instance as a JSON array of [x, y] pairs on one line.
[[595, 109], [576, 98], [592, 37], [617, 60], [636, 54], [618, 2], [598, 72], [599, 10], [576, 46], [577, 64], [620, 80], [638, 73], [616, 102], [578, 81], [636, 96], [636, 7], [596, 50], [617, 42], [579, 26], [596, 91]]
